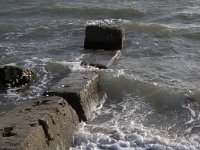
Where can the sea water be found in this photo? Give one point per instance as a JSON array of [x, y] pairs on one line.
[[150, 98]]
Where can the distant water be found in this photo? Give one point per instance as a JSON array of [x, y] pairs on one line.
[[150, 98]]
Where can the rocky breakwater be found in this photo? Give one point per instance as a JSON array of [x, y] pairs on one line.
[[49, 122]]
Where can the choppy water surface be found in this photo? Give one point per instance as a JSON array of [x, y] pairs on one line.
[[149, 99]]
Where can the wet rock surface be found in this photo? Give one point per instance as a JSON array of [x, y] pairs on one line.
[[100, 59], [46, 123], [16, 76], [80, 90]]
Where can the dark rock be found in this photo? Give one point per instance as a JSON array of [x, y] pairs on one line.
[[103, 37], [2, 75], [16, 76], [48, 126], [80, 90]]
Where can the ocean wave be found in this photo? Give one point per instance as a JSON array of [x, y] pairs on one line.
[[146, 116], [116, 83], [150, 28], [133, 124], [190, 31], [86, 11]]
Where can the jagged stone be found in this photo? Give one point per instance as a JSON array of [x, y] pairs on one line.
[[16, 76], [105, 37], [46, 123]]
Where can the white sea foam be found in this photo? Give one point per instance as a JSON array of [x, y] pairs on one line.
[[44, 60], [108, 22], [102, 22], [12, 94], [74, 66], [123, 126], [11, 64], [20, 94]]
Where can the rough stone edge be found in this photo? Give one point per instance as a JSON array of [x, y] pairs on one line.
[[83, 100], [45, 123]]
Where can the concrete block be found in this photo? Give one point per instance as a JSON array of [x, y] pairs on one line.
[[100, 59], [103, 37], [46, 123], [80, 90]]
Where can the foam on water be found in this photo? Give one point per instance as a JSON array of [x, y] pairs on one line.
[[20, 94], [135, 122], [76, 66], [48, 71], [14, 96]]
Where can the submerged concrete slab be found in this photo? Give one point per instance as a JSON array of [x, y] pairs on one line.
[[46, 123], [80, 90], [105, 37], [100, 59]]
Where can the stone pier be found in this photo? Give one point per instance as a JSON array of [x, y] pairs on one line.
[[49, 122]]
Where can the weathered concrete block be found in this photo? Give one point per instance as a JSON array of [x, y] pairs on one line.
[[100, 59], [16, 76], [80, 90], [46, 123], [103, 37]]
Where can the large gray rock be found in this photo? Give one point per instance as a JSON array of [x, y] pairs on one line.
[[80, 90], [46, 123], [103, 37], [16, 76]]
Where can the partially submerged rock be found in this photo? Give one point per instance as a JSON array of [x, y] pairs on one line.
[[16, 76], [107, 41], [105, 37], [100, 58]]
